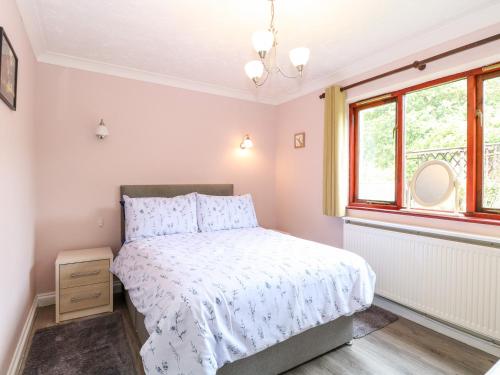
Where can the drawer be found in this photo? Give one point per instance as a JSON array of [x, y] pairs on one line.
[[84, 273], [83, 297]]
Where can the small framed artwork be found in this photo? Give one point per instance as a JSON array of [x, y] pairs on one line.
[[299, 140], [8, 71]]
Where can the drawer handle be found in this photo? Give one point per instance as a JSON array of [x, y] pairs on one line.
[[74, 275], [82, 298]]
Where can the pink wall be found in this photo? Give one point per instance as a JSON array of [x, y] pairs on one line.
[[299, 173], [16, 189], [159, 135]]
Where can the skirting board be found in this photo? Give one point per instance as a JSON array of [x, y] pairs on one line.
[[444, 329], [23, 339]]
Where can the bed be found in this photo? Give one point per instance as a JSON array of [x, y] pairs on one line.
[[242, 301]]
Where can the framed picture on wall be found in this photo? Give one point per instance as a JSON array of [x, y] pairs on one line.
[[299, 140], [8, 71]]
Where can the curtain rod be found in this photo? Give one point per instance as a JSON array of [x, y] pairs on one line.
[[421, 64]]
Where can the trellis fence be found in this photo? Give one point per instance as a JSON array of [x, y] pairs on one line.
[[457, 158]]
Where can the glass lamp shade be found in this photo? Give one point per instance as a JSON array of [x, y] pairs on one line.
[[254, 69], [262, 41], [246, 143], [299, 56]]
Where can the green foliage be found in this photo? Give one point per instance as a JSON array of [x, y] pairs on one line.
[[434, 118], [491, 193], [377, 135], [492, 110]]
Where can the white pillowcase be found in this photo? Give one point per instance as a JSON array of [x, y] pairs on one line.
[[148, 217], [225, 212]]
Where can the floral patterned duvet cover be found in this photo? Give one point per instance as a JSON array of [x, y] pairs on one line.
[[216, 297]]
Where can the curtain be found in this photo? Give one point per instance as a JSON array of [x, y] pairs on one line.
[[335, 153]]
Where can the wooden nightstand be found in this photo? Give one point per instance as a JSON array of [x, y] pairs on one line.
[[84, 285]]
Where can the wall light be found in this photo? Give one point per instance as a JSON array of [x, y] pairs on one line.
[[246, 142], [102, 131]]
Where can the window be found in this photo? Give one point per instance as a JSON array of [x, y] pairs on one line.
[[455, 119], [377, 153], [489, 142], [435, 128]]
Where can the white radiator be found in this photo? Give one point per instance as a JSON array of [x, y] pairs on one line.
[[453, 281]]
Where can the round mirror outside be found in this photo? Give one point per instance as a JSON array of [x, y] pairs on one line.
[[432, 183]]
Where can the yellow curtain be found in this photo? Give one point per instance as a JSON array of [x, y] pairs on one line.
[[335, 153]]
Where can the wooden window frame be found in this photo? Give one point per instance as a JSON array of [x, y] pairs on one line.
[[474, 212], [355, 109], [478, 100]]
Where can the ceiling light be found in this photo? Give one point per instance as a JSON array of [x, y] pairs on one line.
[[266, 44], [299, 57], [262, 42], [254, 69]]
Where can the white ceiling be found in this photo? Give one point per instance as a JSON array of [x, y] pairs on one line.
[[204, 44]]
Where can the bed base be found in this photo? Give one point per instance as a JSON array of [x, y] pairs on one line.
[[277, 358]]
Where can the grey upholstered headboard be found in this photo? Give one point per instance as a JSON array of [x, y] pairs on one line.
[[168, 191]]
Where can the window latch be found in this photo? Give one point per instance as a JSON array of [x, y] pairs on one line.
[[479, 115]]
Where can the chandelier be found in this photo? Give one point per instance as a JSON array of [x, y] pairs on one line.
[[266, 45]]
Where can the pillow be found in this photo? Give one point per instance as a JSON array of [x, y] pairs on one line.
[[225, 212], [148, 217]]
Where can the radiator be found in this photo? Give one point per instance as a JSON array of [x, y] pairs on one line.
[[456, 282]]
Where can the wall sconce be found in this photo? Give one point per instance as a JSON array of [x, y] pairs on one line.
[[102, 131], [246, 142]]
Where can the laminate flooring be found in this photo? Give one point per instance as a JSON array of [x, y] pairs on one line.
[[402, 347]]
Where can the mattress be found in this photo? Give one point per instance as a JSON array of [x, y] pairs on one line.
[[213, 298]]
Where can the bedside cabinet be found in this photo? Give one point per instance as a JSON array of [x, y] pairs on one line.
[[84, 285]]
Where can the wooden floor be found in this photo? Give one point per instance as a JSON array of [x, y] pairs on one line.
[[402, 347]]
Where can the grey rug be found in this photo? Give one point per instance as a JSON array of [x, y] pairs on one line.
[[91, 346], [370, 320]]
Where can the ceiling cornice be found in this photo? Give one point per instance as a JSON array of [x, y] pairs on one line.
[[36, 34], [145, 76], [482, 18]]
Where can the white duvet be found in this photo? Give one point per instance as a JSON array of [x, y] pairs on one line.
[[212, 298]]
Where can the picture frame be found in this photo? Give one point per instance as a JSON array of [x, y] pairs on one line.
[[8, 71], [299, 140]]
